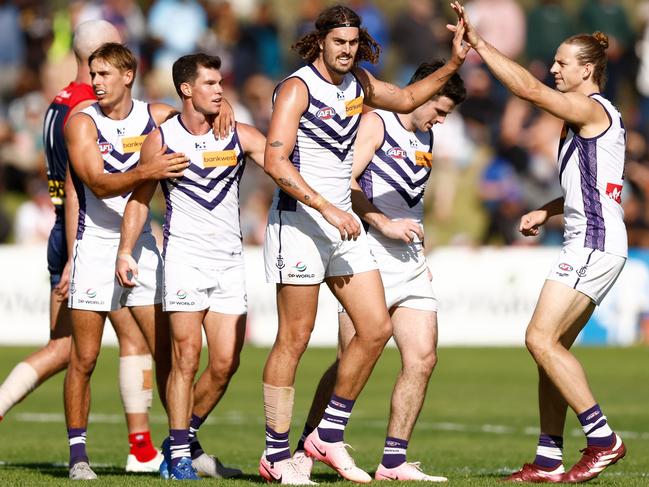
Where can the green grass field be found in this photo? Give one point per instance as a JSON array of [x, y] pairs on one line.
[[479, 421]]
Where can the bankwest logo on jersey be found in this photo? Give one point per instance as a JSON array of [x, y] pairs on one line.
[[614, 191], [325, 113]]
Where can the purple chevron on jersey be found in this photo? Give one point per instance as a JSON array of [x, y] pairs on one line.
[[595, 229], [411, 200], [319, 105], [396, 167], [181, 185], [339, 153]]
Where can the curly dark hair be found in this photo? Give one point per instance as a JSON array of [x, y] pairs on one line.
[[454, 87], [331, 18]]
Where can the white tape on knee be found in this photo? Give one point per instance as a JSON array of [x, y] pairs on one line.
[[136, 382]]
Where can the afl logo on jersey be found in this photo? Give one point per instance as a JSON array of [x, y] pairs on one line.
[[396, 153], [105, 148], [325, 113]]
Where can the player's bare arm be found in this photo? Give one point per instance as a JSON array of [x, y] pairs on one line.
[[135, 215], [530, 222], [86, 160], [575, 108], [253, 142], [290, 103], [379, 94]]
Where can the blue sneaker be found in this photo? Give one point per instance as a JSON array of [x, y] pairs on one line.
[[184, 470], [166, 462]]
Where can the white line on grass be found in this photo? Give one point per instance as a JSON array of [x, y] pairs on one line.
[[236, 418]]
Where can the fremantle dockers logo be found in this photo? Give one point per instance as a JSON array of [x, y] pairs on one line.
[[581, 272], [280, 262]]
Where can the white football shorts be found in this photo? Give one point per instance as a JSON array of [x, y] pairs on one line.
[[221, 289], [93, 285], [589, 271], [302, 249]]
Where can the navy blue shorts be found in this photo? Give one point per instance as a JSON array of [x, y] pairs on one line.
[[57, 252]]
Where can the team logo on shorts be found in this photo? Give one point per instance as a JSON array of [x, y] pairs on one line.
[[565, 267], [300, 266], [73, 288], [396, 153], [581, 272], [181, 294], [91, 293], [280, 262], [325, 113]]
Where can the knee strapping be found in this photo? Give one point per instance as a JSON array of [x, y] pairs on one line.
[[278, 406], [136, 382]]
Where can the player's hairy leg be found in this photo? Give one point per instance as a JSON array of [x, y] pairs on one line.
[[225, 335], [363, 297], [560, 311], [415, 333], [296, 309], [87, 329]]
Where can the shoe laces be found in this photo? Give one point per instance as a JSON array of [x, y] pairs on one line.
[[295, 470]]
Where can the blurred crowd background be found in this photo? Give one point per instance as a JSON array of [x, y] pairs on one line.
[[494, 158]]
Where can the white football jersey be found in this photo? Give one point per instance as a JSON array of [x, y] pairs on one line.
[[119, 142], [202, 219], [591, 172], [395, 179], [323, 150]]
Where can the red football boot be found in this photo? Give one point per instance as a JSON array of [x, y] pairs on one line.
[[534, 473], [594, 460]]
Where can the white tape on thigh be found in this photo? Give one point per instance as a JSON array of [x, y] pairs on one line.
[[136, 382]]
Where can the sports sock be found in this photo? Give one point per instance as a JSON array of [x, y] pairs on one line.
[[141, 447], [179, 446], [21, 381], [549, 452], [306, 432], [194, 446], [394, 452], [332, 425], [77, 442], [596, 428], [277, 448]]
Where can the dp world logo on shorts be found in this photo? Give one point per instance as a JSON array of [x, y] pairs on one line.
[[91, 293], [301, 267], [181, 294]]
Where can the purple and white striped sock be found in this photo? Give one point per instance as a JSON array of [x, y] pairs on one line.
[[77, 442], [394, 452], [596, 428], [277, 447], [332, 425], [194, 446], [549, 452], [179, 446]]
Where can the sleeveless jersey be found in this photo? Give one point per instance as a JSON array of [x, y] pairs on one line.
[[591, 172], [323, 150], [119, 142], [56, 154], [395, 179], [202, 217]]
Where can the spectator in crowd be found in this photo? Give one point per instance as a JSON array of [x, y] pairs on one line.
[[13, 49], [35, 217]]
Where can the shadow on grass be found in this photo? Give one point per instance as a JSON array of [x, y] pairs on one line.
[[58, 470]]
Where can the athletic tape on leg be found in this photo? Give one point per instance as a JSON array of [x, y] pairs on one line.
[[136, 382], [278, 406]]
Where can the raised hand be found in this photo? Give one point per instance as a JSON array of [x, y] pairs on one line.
[[125, 266], [224, 122], [469, 33]]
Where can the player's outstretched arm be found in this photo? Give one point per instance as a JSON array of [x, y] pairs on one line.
[[575, 108], [379, 94], [290, 103], [135, 215], [368, 141], [530, 222], [253, 142], [81, 141]]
